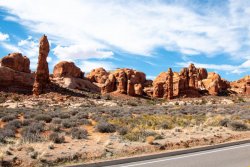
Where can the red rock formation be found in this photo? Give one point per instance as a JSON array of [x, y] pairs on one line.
[[241, 86], [124, 81], [98, 75], [67, 69], [17, 62], [15, 81], [42, 73], [189, 82]]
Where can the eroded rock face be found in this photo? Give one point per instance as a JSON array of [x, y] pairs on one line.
[[67, 69], [16, 81], [241, 86], [42, 72], [188, 83], [17, 62], [163, 85], [124, 81], [98, 75]]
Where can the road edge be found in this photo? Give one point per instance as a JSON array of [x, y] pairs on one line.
[[159, 155]]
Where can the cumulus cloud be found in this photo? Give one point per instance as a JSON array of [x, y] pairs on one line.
[[137, 27], [3, 36], [233, 69], [87, 66], [78, 52]]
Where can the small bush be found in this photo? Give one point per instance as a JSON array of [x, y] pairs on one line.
[[122, 131], [8, 118], [6, 133], [105, 127], [68, 124], [56, 138], [55, 127], [224, 122], [27, 122], [77, 133], [32, 133], [141, 135], [238, 126], [84, 121], [14, 123], [56, 121], [64, 115], [43, 117]]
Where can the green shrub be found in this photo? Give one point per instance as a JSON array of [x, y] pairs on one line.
[[105, 127]]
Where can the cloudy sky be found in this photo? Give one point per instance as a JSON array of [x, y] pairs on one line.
[[149, 36]]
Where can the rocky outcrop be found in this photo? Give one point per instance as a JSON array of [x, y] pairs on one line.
[[76, 83], [67, 69], [98, 75], [42, 72], [163, 85], [241, 86], [17, 62], [190, 82], [123, 81], [16, 81]]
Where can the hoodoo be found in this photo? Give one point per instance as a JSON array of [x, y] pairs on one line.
[[42, 72]]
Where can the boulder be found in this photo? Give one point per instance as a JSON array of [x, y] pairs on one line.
[[17, 62], [67, 69], [42, 73]]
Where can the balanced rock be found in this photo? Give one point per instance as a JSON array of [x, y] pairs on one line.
[[17, 62], [42, 72], [67, 69], [98, 75]]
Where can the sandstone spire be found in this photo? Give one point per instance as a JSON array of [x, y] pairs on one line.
[[42, 72], [170, 84]]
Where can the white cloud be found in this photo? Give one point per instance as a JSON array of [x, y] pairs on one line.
[[77, 52], [233, 69], [87, 66], [138, 27], [3, 37]]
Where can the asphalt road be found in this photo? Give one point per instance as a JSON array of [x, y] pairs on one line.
[[234, 156]]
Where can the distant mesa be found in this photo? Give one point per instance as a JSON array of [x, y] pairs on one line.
[[16, 76]]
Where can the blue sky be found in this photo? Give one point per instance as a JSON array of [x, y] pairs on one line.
[[149, 36]]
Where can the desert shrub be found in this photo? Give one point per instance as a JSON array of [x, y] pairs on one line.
[[84, 121], [82, 116], [105, 127], [43, 117], [224, 122], [68, 123], [237, 126], [74, 112], [56, 138], [165, 125], [141, 135], [6, 133], [64, 115], [56, 121], [122, 130], [32, 133], [14, 123], [77, 133], [55, 127], [27, 122], [8, 118]]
